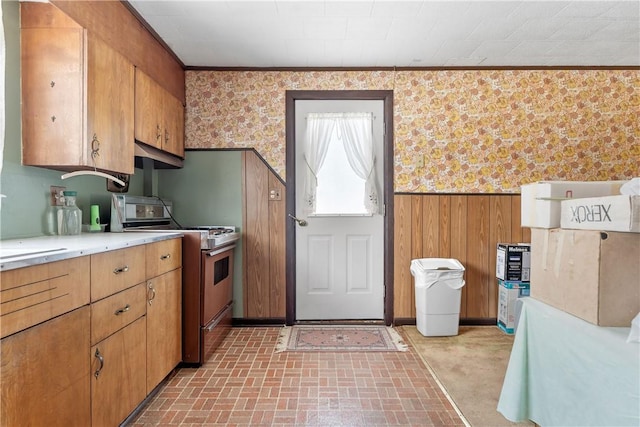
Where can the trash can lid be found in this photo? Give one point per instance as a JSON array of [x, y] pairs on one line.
[[439, 264]]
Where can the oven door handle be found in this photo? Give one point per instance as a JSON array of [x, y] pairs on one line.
[[218, 319], [215, 252]]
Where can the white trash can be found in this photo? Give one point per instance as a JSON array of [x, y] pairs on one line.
[[438, 285]]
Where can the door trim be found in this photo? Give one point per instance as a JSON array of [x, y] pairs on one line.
[[387, 183]]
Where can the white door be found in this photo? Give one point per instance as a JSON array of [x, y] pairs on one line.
[[339, 256]]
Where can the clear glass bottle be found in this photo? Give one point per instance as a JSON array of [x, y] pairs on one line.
[[72, 215]]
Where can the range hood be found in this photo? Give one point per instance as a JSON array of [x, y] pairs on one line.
[[161, 159]]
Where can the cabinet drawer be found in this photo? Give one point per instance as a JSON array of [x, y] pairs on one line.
[[163, 256], [115, 271], [32, 295], [117, 311]]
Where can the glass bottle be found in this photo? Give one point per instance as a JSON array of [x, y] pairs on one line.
[[72, 214]]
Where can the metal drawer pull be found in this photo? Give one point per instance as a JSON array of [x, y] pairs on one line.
[[121, 269], [122, 310], [151, 294], [163, 257], [101, 359]]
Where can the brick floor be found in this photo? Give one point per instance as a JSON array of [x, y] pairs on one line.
[[246, 384]]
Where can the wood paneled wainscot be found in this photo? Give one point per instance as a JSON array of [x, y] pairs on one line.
[[77, 95], [264, 257], [464, 227]]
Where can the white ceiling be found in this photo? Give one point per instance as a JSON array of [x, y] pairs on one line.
[[387, 33]]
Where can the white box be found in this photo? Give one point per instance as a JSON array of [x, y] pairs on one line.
[[593, 275], [609, 213], [508, 293], [540, 201], [513, 261]]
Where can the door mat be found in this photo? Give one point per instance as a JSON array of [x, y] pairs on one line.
[[339, 338]]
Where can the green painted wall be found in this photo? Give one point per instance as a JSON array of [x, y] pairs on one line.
[[208, 191]]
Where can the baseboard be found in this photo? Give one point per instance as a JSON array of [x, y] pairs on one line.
[[400, 321], [240, 321], [467, 321], [479, 321]]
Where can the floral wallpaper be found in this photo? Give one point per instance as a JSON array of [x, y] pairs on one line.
[[482, 131]]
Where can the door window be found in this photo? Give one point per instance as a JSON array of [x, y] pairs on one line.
[[339, 190]]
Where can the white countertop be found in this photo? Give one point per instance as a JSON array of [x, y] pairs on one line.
[[18, 253]]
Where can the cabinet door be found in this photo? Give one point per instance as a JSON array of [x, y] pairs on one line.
[[110, 108], [118, 375], [52, 96], [164, 326], [174, 128], [149, 120], [45, 373]]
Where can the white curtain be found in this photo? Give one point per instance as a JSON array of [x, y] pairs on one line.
[[319, 129], [355, 130]]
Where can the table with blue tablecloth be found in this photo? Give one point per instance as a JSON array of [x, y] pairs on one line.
[[564, 371]]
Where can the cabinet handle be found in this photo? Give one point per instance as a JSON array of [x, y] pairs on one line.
[[163, 257], [166, 136], [151, 293], [101, 360], [95, 147], [122, 310], [158, 133], [121, 270]]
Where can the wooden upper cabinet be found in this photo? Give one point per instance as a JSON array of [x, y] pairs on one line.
[[174, 132], [110, 107], [159, 116], [77, 96], [148, 111]]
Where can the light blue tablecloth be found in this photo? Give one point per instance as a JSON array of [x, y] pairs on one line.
[[564, 371]]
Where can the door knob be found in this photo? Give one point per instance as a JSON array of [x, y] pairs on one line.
[[301, 222]]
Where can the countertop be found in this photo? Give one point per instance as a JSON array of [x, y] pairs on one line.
[[18, 253]]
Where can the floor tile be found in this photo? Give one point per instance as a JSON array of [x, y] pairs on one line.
[[245, 383]]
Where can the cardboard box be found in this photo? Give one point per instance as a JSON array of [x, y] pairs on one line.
[[610, 213], [508, 293], [540, 201], [513, 261], [591, 274]]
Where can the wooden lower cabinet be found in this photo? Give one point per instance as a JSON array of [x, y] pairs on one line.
[[118, 375], [164, 326], [95, 364], [45, 373]]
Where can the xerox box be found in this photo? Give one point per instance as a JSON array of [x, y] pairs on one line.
[[610, 213], [540, 201], [513, 262]]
